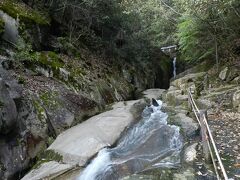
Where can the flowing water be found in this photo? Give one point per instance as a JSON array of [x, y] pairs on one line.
[[150, 144], [174, 67]]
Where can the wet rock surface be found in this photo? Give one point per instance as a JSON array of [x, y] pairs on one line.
[[35, 108], [81, 142], [50, 170]]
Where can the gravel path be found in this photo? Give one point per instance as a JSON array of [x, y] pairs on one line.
[[226, 132]]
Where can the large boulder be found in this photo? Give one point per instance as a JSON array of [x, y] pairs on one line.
[[10, 91], [83, 141], [78, 144], [13, 157], [11, 28], [153, 93], [176, 98], [186, 81], [187, 124], [48, 170], [8, 111]]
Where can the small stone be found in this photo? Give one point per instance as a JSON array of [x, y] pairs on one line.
[[223, 74]]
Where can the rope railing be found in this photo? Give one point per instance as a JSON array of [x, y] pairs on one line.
[[206, 132]]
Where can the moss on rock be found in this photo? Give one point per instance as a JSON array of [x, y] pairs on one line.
[[2, 24], [50, 99], [51, 60], [46, 156], [24, 13], [40, 111]]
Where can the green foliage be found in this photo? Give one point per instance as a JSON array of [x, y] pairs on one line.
[[67, 47], [25, 53], [45, 156], [50, 59], [205, 25], [30, 58], [21, 80], [92, 22], [24, 13], [192, 42], [199, 27], [50, 99], [155, 23]]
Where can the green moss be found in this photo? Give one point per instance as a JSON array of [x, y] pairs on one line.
[[46, 156], [49, 99], [2, 24], [68, 47], [21, 80], [25, 53], [51, 60], [24, 13], [40, 110]]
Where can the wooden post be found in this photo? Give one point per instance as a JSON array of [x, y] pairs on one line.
[[204, 136], [189, 100]]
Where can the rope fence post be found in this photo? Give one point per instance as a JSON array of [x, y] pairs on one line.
[[189, 101], [204, 136], [207, 138]]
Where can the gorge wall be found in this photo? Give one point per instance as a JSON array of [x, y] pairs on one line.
[[48, 86]]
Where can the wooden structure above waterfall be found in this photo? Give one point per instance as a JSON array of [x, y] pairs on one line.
[[170, 50]]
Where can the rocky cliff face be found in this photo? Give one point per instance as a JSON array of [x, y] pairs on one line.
[[36, 107], [46, 88]]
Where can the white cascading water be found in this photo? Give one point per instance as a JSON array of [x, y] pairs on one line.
[[174, 67], [151, 143], [98, 164]]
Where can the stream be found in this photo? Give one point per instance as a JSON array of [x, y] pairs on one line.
[[149, 144], [174, 67]]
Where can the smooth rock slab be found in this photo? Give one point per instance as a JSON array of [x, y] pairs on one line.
[[47, 170], [78, 144], [153, 93]]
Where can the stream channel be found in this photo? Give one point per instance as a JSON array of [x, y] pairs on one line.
[[150, 144]]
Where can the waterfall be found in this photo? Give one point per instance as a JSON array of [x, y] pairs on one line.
[[151, 143], [174, 67], [11, 28]]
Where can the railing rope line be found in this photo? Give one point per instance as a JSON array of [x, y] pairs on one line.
[[213, 160], [206, 135], [215, 149]]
